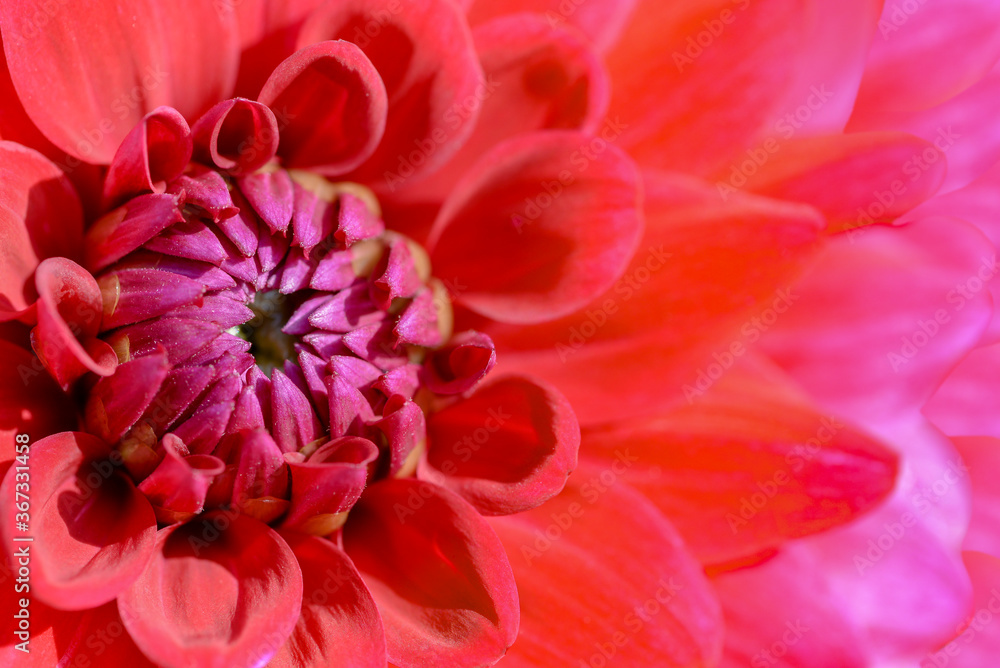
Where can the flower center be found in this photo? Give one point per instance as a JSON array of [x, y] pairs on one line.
[[269, 345], [265, 323]]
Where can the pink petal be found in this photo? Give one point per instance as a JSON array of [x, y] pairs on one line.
[[178, 486], [261, 483], [978, 643], [905, 71], [152, 155], [437, 572], [222, 590], [40, 217], [963, 127], [602, 574], [507, 448], [803, 627], [602, 22], [122, 231], [885, 307], [330, 105], [746, 466], [237, 135], [124, 63], [720, 73], [69, 316], [953, 408], [536, 230], [980, 457], [423, 52], [879, 175], [95, 532], [340, 625]]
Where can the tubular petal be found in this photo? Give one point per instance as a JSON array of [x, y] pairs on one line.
[[70, 308], [96, 531], [438, 573], [222, 590], [507, 448], [536, 229], [331, 107], [423, 52], [599, 563], [237, 135], [152, 155], [123, 63]]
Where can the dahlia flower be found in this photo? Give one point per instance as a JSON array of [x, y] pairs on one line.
[[448, 333]]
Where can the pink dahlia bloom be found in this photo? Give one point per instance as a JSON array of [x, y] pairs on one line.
[[308, 308]]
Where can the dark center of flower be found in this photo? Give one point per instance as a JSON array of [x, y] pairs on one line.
[[269, 345]]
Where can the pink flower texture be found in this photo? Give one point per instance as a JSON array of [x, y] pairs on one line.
[[572, 333]]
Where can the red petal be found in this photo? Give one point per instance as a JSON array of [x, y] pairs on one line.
[[340, 626], [746, 466], [94, 531], [602, 574], [437, 572], [905, 70], [711, 266], [223, 590], [123, 64], [178, 486], [537, 77], [330, 482], [70, 308], [460, 364], [537, 229], [40, 217], [117, 402], [330, 106], [719, 73], [602, 22], [507, 448], [879, 175], [423, 52], [30, 401], [238, 135], [152, 155], [803, 627]]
